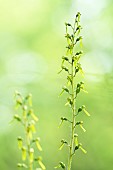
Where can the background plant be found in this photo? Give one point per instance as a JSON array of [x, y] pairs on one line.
[[27, 118], [72, 66]]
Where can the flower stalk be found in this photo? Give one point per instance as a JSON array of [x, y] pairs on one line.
[[72, 66], [27, 118]]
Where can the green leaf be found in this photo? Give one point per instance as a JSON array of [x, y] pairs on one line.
[[61, 146], [62, 119], [80, 109], [38, 144], [18, 103], [82, 149], [76, 139], [68, 24], [30, 99], [82, 128], [31, 112], [29, 132], [40, 163], [20, 142], [84, 91], [31, 155], [65, 58], [69, 78], [32, 126], [86, 112], [64, 89], [62, 165], [24, 153], [16, 116], [62, 143], [70, 102], [19, 165]]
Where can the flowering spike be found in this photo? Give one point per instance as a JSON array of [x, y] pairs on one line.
[[71, 64]]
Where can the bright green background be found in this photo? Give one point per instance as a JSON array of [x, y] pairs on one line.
[[31, 46]]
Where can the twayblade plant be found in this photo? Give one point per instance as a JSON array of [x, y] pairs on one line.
[[27, 118], [72, 66]]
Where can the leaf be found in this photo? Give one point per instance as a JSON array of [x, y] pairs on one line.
[[19, 165], [82, 149], [29, 132], [77, 91], [82, 128], [23, 153], [41, 164], [18, 103], [33, 115], [61, 92], [61, 146], [32, 126], [62, 165], [81, 44], [84, 91], [20, 142], [80, 109], [30, 99], [16, 116], [62, 119], [64, 89], [86, 112], [76, 139], [60, 124], [38, 144], [60, 71], [63, 142], [31, 155]]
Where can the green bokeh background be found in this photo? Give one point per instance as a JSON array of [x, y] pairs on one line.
[[31, 46]]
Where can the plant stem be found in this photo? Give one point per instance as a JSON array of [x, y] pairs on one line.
[[27, 143], [73, 110]]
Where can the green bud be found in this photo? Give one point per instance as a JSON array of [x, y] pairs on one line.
[[31, 154], [31, 112], [78, 39], [21, 165], [65, 89], [65, 68], [68, 36], [20, 142], [24, 153], [76, 148], [62, 165], [76, 139], [67, 24], [78, 28], [75, 135], [25, 107], [80, 122], [62, 144], [65, 58], [79, 53], [78, 14], [80, 109], [17, 117], [63, 118]]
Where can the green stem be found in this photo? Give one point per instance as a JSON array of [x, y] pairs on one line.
[[73, 121], [28, 144], [73, 110]]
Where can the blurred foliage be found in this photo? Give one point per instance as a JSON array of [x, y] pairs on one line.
[[31, 46]]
